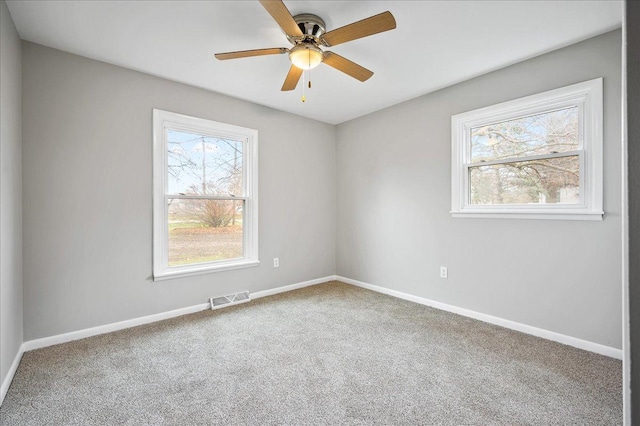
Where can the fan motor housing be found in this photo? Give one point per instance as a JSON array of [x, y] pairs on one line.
[[312, 27]]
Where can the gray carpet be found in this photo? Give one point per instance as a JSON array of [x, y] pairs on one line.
[[327, 354]]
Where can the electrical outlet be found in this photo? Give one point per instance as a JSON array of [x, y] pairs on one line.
[[444, 272], [276, 262]]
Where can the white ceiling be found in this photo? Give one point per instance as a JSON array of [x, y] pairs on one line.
[[436, 44]]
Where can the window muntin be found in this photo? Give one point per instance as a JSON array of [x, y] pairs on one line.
[[534, 157], [205, 196]]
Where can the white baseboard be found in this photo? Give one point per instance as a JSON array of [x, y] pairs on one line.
[[94, 331], [523, 328], [284, 289], [10, 374], [108, 328]]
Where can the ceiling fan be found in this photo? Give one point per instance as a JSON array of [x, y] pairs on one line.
[[306, 32]]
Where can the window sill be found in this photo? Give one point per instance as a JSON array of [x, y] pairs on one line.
[[227, 266], [530, 215]]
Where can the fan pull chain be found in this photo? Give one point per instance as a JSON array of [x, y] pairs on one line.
[[309, 70], [304, 98]]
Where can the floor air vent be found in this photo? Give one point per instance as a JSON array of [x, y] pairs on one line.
[[232, 299]]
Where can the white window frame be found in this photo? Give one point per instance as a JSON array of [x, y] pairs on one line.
[[587, 96], [165, 120]]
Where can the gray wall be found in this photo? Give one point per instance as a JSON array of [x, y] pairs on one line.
[[395, 230], [10, 192], [633, 185], [87, 182]]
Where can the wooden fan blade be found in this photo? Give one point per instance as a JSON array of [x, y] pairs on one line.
[[292, 79], [249, 53], [373, 25], [282, 16], [346, 66]]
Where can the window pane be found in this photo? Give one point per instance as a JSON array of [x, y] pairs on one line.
[[203, 165], [555, 131], [547, 181], [204, 230]]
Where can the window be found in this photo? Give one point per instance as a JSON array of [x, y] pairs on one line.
[[538, 157], [205, 200]]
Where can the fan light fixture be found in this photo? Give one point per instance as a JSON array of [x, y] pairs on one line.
[[305, 56], [307, 32]]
